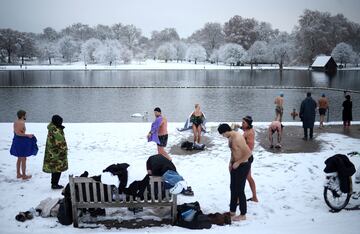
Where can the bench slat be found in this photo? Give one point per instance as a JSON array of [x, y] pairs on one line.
[[152, 192], [159, 191], [94, 192], [87, 191], [102, 192], [109, 193], [81, 197], [146, 195]]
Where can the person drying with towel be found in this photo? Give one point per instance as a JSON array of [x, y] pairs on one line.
[[23, 145], [158, 133]]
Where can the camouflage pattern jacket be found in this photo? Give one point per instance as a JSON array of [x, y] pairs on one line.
[[55, 159]]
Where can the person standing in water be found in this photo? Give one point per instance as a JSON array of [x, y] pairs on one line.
[[279, 109], [23, 145], [239, 167], [197, 119], [159, 133], [323, 107]]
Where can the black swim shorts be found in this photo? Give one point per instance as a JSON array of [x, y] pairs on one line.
[[163, 140]]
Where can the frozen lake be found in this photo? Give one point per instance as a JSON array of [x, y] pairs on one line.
[[117, 104]]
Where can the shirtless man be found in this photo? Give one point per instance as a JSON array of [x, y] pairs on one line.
[[159, 133], [19, 130], [323, 104], [239, 167], [275, 126], [279, 110]]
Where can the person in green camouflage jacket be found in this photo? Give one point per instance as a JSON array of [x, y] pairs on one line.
[[55, 159]]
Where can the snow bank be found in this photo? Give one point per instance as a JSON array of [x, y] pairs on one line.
[[146, 65], [289, 185]]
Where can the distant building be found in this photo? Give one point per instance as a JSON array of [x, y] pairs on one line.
[[324, 63]]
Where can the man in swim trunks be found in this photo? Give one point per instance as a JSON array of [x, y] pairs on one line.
[[323, 107], [21, 145], [275, 126], [159, 133], [279, 110]]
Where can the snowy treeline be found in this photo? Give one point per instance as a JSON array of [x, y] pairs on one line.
[[239, 41]]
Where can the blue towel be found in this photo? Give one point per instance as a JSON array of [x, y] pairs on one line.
[[23, 146]]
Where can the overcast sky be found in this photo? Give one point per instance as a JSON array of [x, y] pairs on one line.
[[184, 15]]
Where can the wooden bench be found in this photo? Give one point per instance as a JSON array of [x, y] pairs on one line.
[[111, 198]]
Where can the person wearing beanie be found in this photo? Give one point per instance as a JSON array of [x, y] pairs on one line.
[[159, 133], [239, 167], [249, 135], [279, 109], [323, 107], [55, 158]]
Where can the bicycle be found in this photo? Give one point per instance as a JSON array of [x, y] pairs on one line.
[[334, 197]]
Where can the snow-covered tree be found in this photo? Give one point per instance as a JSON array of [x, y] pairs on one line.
[[103, 32], [49, 34], [232, 54], [126, 54], [196, 52], [180, 50], [281, 49], [130, 36], [257, 53], [215, 56], [158, 38], [8, 42], [79, 31], [88, 49], [109, 52], [166, 52], [68, 48], [211, 36], [25, 46], [47, 50], [356, 59], [342, 53]]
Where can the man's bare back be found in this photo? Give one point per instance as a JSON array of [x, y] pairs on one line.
[[163, 127], [279, 101]]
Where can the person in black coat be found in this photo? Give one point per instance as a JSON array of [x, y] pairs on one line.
[[307, 115], [347, 111]]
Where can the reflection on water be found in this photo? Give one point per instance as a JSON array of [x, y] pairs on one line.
[[107, 105], [343, 79], [117, 105]]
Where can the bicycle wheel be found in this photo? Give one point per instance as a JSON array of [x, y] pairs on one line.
[[336, 200]]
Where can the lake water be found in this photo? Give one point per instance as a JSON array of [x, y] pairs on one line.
[[117, 104]]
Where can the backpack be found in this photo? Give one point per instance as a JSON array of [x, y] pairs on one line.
[[65, 212], [187, 145], [189, 215]]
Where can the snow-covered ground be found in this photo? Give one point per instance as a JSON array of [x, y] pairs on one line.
[[145, 65], [289, 186]]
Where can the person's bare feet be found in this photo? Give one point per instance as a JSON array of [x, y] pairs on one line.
[[26, 177], [19, 176], [238, 218], [254, 199]]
